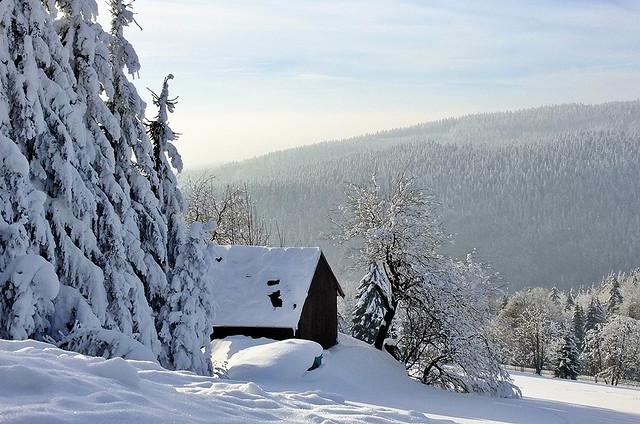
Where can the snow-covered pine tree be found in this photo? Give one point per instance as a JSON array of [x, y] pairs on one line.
[[87, 47], [615, 297], [373, 297], [570, 301], [567, 364], [134, 166], [594, 316], [577, 324], [592, 351], [191, 311], [554, 295], [28, 282], [47, 125], [166, 157], [172, 206]]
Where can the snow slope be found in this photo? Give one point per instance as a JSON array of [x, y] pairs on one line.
[[40, 384], [355, 384], [355, 371]]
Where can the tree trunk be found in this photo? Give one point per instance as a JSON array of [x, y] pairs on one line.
[[383, 331]]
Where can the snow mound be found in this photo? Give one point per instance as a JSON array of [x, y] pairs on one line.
[[264, 359]]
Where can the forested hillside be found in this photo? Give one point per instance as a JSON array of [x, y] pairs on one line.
[[549, 196]]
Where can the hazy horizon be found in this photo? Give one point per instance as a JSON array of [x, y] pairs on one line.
[[256, 77]]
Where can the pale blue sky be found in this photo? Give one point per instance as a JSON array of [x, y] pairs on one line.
[[262, 75]]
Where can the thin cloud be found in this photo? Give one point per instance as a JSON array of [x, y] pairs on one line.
[[363, 58]]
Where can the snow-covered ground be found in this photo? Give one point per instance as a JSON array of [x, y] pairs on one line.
[[355, 384]]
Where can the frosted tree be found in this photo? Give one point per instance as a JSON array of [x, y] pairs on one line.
[[592, 351], [594, 315], [166, 157], [87, 46], [190, 320], [28, 282], [444, 331], [554, 295], [615, 297], [373, 298], [145, 228], [398, 228], [577, 325], [630, 290], [620, 349], [567, 361], [527, 328], [48, 127], [570, 301]]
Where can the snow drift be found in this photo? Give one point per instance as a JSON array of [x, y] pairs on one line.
[[42, 384]]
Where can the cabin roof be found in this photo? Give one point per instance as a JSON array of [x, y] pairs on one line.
[[259, 286]]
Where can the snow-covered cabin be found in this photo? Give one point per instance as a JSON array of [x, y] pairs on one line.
[[279, 293]]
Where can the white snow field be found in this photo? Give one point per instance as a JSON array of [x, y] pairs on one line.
[[355, 384]]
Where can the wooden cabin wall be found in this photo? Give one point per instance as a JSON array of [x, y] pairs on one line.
[[319, 319], [255, 332]]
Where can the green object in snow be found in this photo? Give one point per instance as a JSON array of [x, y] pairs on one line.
[[317, 361]]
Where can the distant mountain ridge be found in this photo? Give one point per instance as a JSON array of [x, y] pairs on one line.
[[549, 195]]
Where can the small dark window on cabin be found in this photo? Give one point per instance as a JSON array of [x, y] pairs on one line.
[[273, 282], [276, 300]]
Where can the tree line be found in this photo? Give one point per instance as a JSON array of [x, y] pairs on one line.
[[593, 331]]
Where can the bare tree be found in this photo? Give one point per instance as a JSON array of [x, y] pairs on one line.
[[232, 208]]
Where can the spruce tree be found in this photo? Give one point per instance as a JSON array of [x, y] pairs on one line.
[[25, 235], [578, 325], [87, 46], [615, 297], [567, 358], [28, 282], [372, 294], [554, 295], [46, 123], [570, 302], [594, 315], [172, 206], [592, 354], [190, 321], [166, 157], [134, 166]]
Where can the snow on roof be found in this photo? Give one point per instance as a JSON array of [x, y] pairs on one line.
[[262, 286]]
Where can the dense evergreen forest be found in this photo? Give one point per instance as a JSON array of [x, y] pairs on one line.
[[549, 196]]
